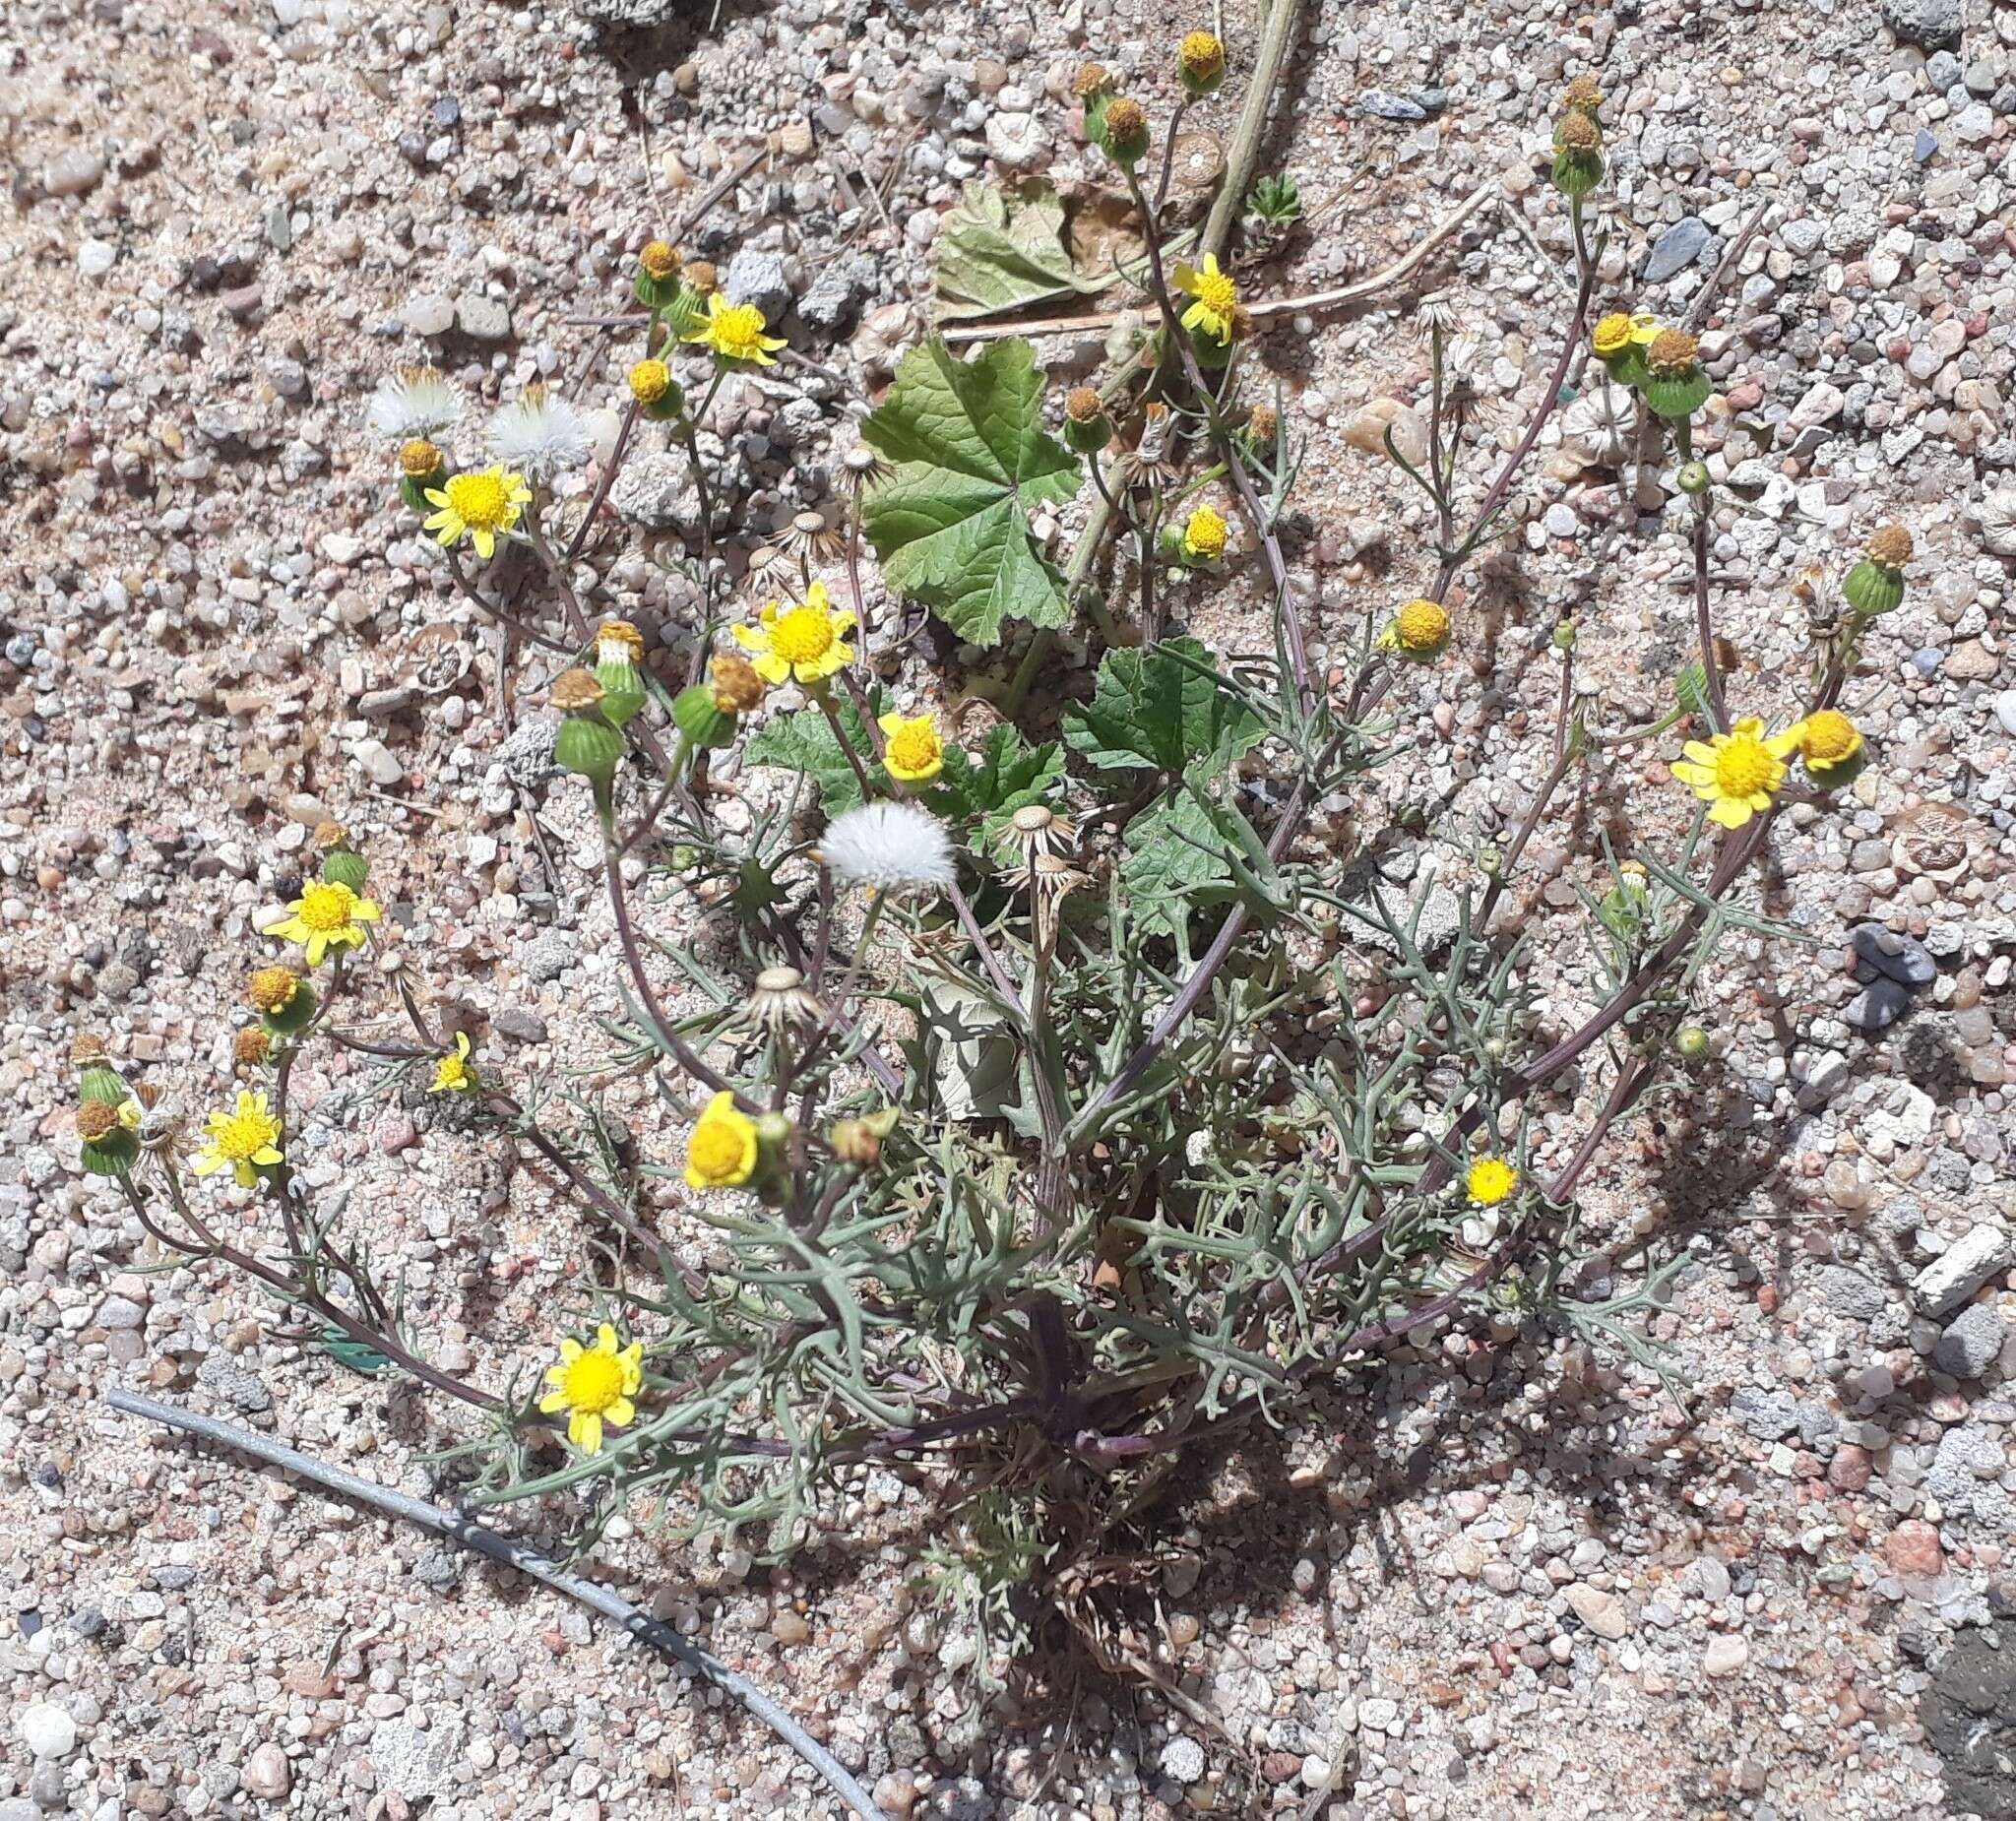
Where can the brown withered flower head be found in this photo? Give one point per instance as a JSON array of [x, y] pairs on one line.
[[575, 691], [1673, 354], [1889, 547]]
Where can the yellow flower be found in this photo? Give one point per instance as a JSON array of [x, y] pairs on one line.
[[481, 506], [595, 1385], [244, 1139], [1827, 738], [273, 990], [913, 751], [807, 641], [660, 259], [452, 1074], [722, 1153], [326, 915], [1737, 773], [1612, 334], [1489, 1181], [734, 331], [1201, 57], [1204, 535], [650, 380], [1218, 297], [1421, 628]]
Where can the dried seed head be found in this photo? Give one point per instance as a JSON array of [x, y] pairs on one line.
[[854, 1141], [96, 1119], [737, 688], [1262, 423], [330, 834], [418, 457], [660, 259], [1584, 94], [1031, 818], [779, 998], [1082, 405], [1890, 547], [1578, 133], [273, 990], [251, 1047], [1093, 79], [621, 632], [575, 691], [1674, 354], [702, 276], [87, 1046]]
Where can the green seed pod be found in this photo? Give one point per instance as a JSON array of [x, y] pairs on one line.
[[1576, 173], [1692, 1045], [1693, 478], [1124, 131], [1872, 589], [1565, 636], [1677, 398], [701, 717], [588, 746], [345, 867], [100, 1082], [622, 690], [113, 1155], [1088, 428]]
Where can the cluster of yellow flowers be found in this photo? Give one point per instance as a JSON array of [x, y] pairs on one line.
[[1739, 774]]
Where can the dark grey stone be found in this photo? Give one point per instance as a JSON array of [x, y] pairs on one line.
[[1973, 1341], [1383, 106], [1676, 249], [833, 303], [1930, 25], [1968, 1714], [521, 1026], [242, 1390], [1878, 1007], [1851, 1293], [758, 278], [1879, 951], [1766, 1413]]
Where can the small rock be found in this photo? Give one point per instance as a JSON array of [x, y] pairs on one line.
[[1676, 249], [520, 1027], [383, 769], [1973, 1341], [47, 1730], [1952, 1278], [758, 278], [1017, 141], [480, 318], [1879, 951], [1602, 1613], [1182, 1760], [266, 1773], [1384, 106], [242, 1390], [1725, 1656], [1913, 1550], [72, 173], [94, 257], [1878, 1007], [833, 303], [429, 314], [1930, 25], [1367, 426]]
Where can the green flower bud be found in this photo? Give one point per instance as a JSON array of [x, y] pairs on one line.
[[588, 746], [1565, 636], [110, 1146], [101, 1083], [1675, 387], [701, 717], [622, 690], [1088, 428], [1124, 131], [1693, 478], [345, 867], [1692, 1045]]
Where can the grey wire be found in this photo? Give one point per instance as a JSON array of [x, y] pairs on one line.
[[500, 1548]]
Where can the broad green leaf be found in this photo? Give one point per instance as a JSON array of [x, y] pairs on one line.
[[1152, 710], [951, 524], [1175, 860], [1003, 250], [804, 742], [990, 786]]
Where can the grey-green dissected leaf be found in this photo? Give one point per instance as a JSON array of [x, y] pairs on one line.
[[1691, 688], [1154, 711], [990, 786], [951, 524], [804, 742], [1000, 250]]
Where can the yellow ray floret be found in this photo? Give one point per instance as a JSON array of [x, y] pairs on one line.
[[452, 1073], [483, 506], [807, 641], [1737, 773], [723, 1150], [1216, 298], [913, 749], [326, 915], [734, 331], [247, 1138]]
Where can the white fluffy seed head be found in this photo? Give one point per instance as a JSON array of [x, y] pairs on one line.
[[890, 847], [413, 402], [538, 435]]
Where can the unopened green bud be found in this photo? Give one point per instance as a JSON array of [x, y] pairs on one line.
[[701, 717], [1565, 636], [345, 867], [1693, 1044], [1693, 478]]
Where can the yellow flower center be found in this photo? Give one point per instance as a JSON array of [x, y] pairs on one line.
[[716, 1150], [594, 1382], [1217, 292], [805, 635], [482, 500], [1490, 1180], [326, 908], [649, 381], [914, 746], [1830, 737], [1422, 625], [273, 990], [418, 457], [1742, 768], [1205, 533], [239, 1136], [738, 331], [1202, 55], [1612, 334]]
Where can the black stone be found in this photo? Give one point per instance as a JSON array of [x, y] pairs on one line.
[[1878, 1007], [1969, 1713], [1879, 951]]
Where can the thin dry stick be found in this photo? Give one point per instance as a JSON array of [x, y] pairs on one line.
[[502, 1549], [1357, 293]]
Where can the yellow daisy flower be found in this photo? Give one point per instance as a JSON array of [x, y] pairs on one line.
[[246, 1139], [326, 915], [1204, 535], [1737, 773], [482, 506], [722, 1152], [734, 331], [913, 749], [807, 641], [1489, 1181], [452, 1074], [1217, 297], [1828, 738], [595, 1385], [1422, 627]]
